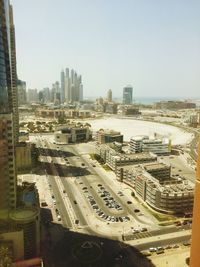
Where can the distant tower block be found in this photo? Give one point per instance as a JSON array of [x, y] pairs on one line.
[[128, 95], [195, 246], [109, 95]]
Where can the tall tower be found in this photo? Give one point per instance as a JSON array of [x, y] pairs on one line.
[[109, 95], [62, 86], [194, 252], [67, 85], [14, 76], [7, 107], [128, 95]]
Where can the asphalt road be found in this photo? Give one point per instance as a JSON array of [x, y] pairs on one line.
[[79, 214]]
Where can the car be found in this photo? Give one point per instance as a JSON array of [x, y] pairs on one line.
[[160, 250], [178, 223], [44, 204], [59, 218], [84, 188], [144, 229], [129, 202], [76, 221], [186, 243], [99, 184], [127, 218], [146, 253], [120, 218], [136, 231], [54, 202], [124, 218], [152, 249], [75, 202], [136, 210]]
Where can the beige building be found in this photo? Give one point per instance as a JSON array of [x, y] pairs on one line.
[[162, 193], [108, 136], [73, 133]]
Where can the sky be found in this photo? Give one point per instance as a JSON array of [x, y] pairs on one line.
[[154, 45]]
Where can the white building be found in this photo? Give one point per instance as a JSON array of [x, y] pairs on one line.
[[140, 144]]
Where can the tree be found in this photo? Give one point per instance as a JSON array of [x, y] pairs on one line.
[[61, 119]]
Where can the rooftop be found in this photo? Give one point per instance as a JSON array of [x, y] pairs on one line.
[[155, 166]]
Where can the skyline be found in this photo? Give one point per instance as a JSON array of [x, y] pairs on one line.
[[152, 46]]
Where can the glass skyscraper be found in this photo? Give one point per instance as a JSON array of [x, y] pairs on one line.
[[7, 129], [128, 95]]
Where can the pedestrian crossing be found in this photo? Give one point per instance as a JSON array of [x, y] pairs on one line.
[[134, 236]]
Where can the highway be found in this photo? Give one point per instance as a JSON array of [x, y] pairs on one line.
[[73, 204]]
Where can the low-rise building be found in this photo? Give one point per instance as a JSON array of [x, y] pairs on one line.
[[160, 192], [74, 133], [114, 159], [159, 170], [172, 198], [145, 144], [108, 136], [174, 105]]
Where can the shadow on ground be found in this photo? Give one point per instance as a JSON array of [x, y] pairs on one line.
[[64, 248], [60, 170], [55, 152]]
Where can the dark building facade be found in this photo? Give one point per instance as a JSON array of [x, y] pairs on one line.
[[128, 95], [7, 106]]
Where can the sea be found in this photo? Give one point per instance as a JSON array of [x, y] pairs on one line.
[[152, 100]]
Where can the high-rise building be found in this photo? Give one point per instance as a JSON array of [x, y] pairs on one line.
[[128, 95], [46, 94], [32, 95], [109, 95], [14, 76], [21, 89], [8, 125], [71, 85], [22, 236], [62, 86], [194, 252], [67, 85]]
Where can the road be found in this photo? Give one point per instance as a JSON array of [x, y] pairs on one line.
[[74, 193]]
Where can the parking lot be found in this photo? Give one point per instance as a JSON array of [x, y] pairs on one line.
[[103, 203]]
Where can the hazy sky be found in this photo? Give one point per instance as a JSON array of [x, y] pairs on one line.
[[152, 44]]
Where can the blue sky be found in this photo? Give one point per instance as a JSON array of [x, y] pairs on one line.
[[152, 44]]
